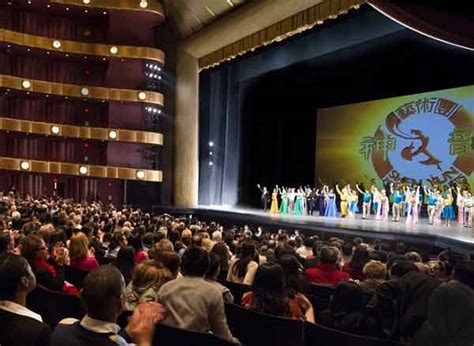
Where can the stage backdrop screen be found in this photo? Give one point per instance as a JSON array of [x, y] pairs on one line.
[[427, 137]]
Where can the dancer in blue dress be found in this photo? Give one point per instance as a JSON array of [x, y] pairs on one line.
[[397, 203], [330, 197]]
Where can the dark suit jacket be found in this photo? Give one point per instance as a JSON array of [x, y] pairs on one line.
[[17, 330]]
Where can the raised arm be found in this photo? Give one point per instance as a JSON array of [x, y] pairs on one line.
[[338, 190], [358, 189]]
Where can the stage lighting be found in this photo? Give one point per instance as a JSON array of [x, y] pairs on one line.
[[56, 44], [159, 77], [84, 91], [211, 153], [140, 175], [26, 84], [211, 144], [24, 165], [55, 129], [159, 111], [142, 95], [83, 170], [113, 50], [113, 134]]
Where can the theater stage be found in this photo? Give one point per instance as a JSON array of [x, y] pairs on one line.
[[429, 237]]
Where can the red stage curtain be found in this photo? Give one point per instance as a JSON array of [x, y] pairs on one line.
[[448, 21]]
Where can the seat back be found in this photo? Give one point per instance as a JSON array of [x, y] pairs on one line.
[[317, 335], [320, 296], [75, 276], [255, 329], [170, 336], [54, 306], [236, 289]]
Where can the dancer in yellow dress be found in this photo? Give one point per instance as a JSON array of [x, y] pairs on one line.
[[274, 206], [344, 198]]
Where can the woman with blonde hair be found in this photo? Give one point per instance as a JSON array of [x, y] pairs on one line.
[[82, 256], [147, 279]]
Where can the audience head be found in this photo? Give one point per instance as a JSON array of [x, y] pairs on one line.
[[125, 261], [195, 261], [78, 246], [329, 255], [16, 277], [220, 249], [102, 293], [170, 260], [5, 243], [360, 257], [400, 268], [464, 273], [269, 290], [348, 297], [148, 274], [33, 248], [375, 270], [214, 267]]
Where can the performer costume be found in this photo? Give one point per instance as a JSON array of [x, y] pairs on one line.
[[343, 204], [299, 207], [330, 210], [460, 204], [321, 204], [448, 210], [284, 203], [274, 206], [353, 208]]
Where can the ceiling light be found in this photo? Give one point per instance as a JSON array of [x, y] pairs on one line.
[[24, 165], [143, 4], [140, 175], [113, 50], [26, 84], [83, 170], [113, 134], [142, 95], [55, 129], [84, 91], [86, 2], [56, 44]]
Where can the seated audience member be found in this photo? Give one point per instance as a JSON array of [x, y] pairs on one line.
[[161, 246], [18, 325], [222, 252], [375, 273], [307, 249], [356, 265], [346, 253], [296, 285], [268, 295], [125, 262], [191, 302], [213, 274], [49, 271], [242, 268], [326, 272], [171, 261], [348, 311], [136, 242], [147, 279], [450, 319], [117, 241], [103, 298], [6, 244], [81, 256], [440, 270]]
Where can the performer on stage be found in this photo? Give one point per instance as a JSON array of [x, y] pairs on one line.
[[448, 210], [284, 201], [330, 205], [468, 210], [264, 197], [321, 202], [299, 207], [375, 200], [460, 199], [397, 203], [274, 205], [412, 207], [366, 201], [432, 202], [344, 195], [439, 207], [353, 200], [291, 200]]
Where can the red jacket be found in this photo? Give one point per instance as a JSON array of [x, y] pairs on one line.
[[325, 273]]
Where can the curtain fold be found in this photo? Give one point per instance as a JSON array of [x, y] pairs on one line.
[[450, 22]]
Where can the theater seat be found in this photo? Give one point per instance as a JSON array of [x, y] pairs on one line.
[[236, 289], [169, 336], [75, 276], [317, 335], [54, 306], [320, 296], [255, 329]]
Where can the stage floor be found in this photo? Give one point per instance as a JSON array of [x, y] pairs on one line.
[[456, 237]]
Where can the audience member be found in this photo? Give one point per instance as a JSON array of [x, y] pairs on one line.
[[375, 273], [213, 275], [125, 262], [82, 257], [326, 272], [242, 268], [356, 265]]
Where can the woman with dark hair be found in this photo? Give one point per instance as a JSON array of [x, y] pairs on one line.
[[49, 271], [136, 242], [212, 277], [348, 311], [222, 252], [268, 294], [242, 269], [117, 241], [355, 267], [125, 262]]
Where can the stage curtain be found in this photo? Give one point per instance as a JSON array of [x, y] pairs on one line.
[[302, 21], [219, 123], [451, 22]]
